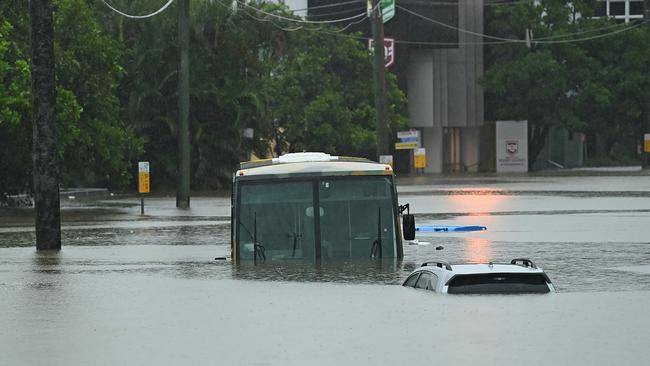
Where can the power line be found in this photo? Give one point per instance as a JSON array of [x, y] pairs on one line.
[[627, 28], [506, 2], [497, 40], [319, 15], [617, 25], [543, 40], [445, 25], [139, 16], [302, 20], [293, 29], [330, 5]]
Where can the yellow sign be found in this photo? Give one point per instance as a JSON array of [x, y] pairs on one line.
[[420, 158], [144, 185], [406, 145], [646, 142]]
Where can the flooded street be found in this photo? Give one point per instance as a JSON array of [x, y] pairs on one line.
[[131, 289]]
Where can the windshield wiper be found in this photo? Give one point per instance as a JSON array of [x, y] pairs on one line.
[[258, 249], [375, 250]]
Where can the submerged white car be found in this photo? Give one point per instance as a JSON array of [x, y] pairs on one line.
[[521, 276]]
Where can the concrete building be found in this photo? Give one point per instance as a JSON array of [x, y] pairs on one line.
[[445, 99]]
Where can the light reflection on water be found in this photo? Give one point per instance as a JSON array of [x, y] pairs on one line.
[[479, 203], [478, 250]]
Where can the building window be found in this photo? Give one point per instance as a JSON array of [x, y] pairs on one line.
[[620, 10], [636, 8], [617, 8]]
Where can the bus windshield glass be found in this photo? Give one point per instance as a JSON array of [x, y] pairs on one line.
[[354, 217]]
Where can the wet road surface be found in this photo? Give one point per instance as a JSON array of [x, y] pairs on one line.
[[139, 290]]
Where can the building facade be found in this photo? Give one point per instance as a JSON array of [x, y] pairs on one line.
[[445, 98]]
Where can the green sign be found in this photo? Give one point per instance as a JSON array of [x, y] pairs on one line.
[[387, 10]]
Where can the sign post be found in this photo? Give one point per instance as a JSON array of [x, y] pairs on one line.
[[420, 159], [646, 149], [144, 184]]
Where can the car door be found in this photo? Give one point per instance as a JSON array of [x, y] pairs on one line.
[[424, 281]]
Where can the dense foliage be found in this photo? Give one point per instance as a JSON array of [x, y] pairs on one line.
[[599, 85], [95, 145], [117, 92]]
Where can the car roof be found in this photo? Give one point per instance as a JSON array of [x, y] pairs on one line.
[[479, 268]]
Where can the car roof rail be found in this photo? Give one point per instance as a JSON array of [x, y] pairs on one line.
[[440, 264], [525, 261]]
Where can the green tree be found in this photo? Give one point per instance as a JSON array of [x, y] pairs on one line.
[[246, 72], [596, 86], [322, 97], [614, 99], [229, 55], [96, 147], [99, 148], [15, 110]]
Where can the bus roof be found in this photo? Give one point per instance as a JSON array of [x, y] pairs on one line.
[[310, 164]]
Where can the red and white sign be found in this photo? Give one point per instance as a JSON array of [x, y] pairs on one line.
[[512, 147], [389, 50]]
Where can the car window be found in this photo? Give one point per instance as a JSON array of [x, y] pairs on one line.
[[423, 281], [410, 282], [498, 283], [433, 283]]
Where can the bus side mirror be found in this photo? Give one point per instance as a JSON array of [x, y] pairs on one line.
[[408, 226]]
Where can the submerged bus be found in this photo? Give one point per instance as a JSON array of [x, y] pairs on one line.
[[314, 206]]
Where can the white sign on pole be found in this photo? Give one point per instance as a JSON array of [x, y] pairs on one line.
[[512, 146], [386, 159], [143, 167]]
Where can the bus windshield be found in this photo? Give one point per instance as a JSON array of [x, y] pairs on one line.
[[325, 217]]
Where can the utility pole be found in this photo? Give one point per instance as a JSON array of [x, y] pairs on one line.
[[45, 141], [183, 178], [379, 71], [646, 156]]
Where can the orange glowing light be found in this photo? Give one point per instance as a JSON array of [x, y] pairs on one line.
[[478, 250], [478, 201]]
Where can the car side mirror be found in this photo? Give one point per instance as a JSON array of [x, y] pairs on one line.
[[408, 226]]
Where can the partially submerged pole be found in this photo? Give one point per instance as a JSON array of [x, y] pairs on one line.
[[183, 188], [45, 141]]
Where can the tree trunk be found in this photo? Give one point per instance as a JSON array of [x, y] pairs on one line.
[[45, 143], [537, 139]]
